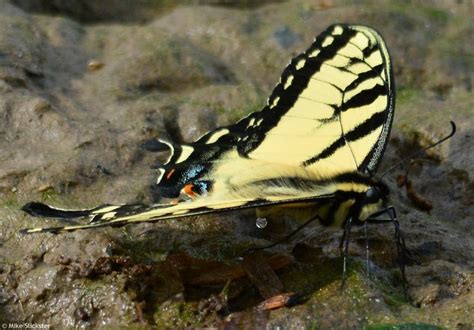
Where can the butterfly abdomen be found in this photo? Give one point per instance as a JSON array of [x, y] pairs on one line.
[[334, 199], [332, 212]]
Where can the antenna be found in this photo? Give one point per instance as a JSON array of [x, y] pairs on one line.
[[453, 131]]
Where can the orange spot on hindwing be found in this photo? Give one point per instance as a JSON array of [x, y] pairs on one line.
[[170, 173], [188, 190]]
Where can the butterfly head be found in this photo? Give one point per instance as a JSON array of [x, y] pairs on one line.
[[372, 201]]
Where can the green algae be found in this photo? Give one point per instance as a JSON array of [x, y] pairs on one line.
[[406, 95], [176, 314], [402, 326], [11, 202]]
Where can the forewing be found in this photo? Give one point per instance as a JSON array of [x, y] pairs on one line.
[[331, 111], [333, 107]]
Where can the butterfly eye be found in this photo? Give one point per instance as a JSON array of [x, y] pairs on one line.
[[372, 194]]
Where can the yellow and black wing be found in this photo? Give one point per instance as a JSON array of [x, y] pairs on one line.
[[331, 111], [326, 122]]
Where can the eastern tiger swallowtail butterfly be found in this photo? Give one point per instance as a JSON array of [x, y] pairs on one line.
[[318, 141]]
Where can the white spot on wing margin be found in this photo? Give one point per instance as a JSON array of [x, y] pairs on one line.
[[214, 137], [337, 30], [171, 148], [185, 152], [160, 176]]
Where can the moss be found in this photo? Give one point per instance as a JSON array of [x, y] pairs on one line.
[[233, 115], [321, 284], [140, 250], [10, 202], [92, 287], [437, 16], [49, 195], [312, 326], [402, 326], [176, 314], [392, 296], [309, 278], [406, 94], [393, 299]]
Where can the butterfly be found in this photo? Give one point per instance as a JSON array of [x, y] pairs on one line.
[[318, 141]]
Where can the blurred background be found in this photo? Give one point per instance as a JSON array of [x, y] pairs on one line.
[[85, 84]]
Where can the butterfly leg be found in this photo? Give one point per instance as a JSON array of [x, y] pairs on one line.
[[401, 250], [367, 256], [344, 247], [402, 254], [287, 237]]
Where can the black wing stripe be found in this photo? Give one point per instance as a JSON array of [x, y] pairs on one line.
[[374, 73], [311, 66], [369, 50], [365, 97], [366, 127], [359, 132]]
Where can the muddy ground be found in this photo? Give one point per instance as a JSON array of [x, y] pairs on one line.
[[84, 84]]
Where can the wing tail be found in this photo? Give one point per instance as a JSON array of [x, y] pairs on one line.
[[42, 210], [98, 216]]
